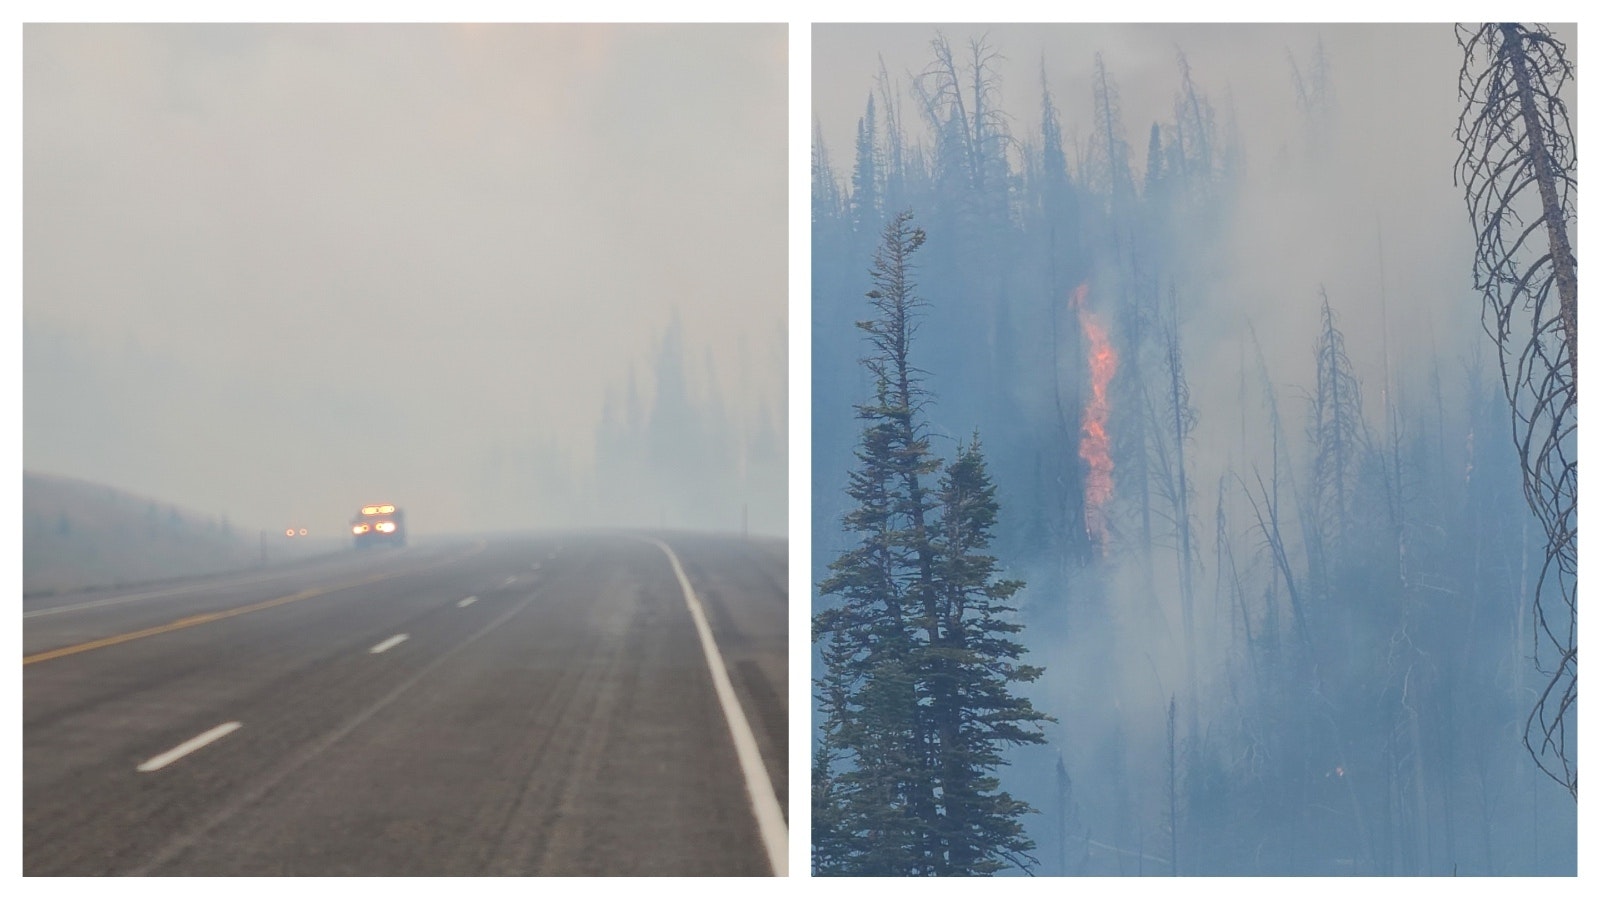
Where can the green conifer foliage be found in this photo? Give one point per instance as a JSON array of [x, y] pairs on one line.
[[918, 652]]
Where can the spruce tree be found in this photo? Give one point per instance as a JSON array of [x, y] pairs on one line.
[[917, 659], [871, 721], [976, 662]]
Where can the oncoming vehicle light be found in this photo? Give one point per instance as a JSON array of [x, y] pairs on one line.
[[386, 509], [369, 510], [386, 527], [362, 528]]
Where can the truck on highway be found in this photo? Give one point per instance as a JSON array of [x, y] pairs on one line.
[[378, 525]]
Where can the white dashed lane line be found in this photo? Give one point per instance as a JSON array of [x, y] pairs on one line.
[[188, 747], [384, 645], [467, 601], [510, 581]]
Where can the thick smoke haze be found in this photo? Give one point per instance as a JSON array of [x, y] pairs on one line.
[[276, 271], [1362, 727], [1392, 124]]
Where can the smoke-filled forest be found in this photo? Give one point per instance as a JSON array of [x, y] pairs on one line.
[[1267, 366]]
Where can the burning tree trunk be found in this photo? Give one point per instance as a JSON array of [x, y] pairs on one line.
[[1095, 446]]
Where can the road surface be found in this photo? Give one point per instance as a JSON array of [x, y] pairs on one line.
[[504, 706]]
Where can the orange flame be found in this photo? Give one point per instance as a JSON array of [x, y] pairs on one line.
[[1095, 446]]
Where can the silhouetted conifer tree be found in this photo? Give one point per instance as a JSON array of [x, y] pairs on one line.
[[918, 662]]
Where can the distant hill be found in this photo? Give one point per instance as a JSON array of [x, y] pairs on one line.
[[76, 534]]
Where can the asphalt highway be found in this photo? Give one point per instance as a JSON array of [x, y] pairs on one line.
[[602, 704]]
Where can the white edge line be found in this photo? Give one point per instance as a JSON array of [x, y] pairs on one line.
[[763, 800], [467, 601], [384, 645], [188, 747]]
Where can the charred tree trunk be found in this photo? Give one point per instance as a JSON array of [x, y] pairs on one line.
[[1518, 165]]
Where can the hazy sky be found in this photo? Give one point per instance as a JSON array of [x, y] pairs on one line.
[[271, 270]]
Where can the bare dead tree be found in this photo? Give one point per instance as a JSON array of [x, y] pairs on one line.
[[895, 140], [1518, 165], [961, 103], [1107, 163], [1172, 779], [1196, 127], [1176, 423], [1314, 97], [1336, 431]]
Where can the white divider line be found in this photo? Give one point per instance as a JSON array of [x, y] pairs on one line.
[[510, 581], [230, 805], [384, 645], [188, 747], [467, 601], [763, 800]]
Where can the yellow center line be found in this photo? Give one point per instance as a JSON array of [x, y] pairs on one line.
[[191, 621], [203, 618]]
